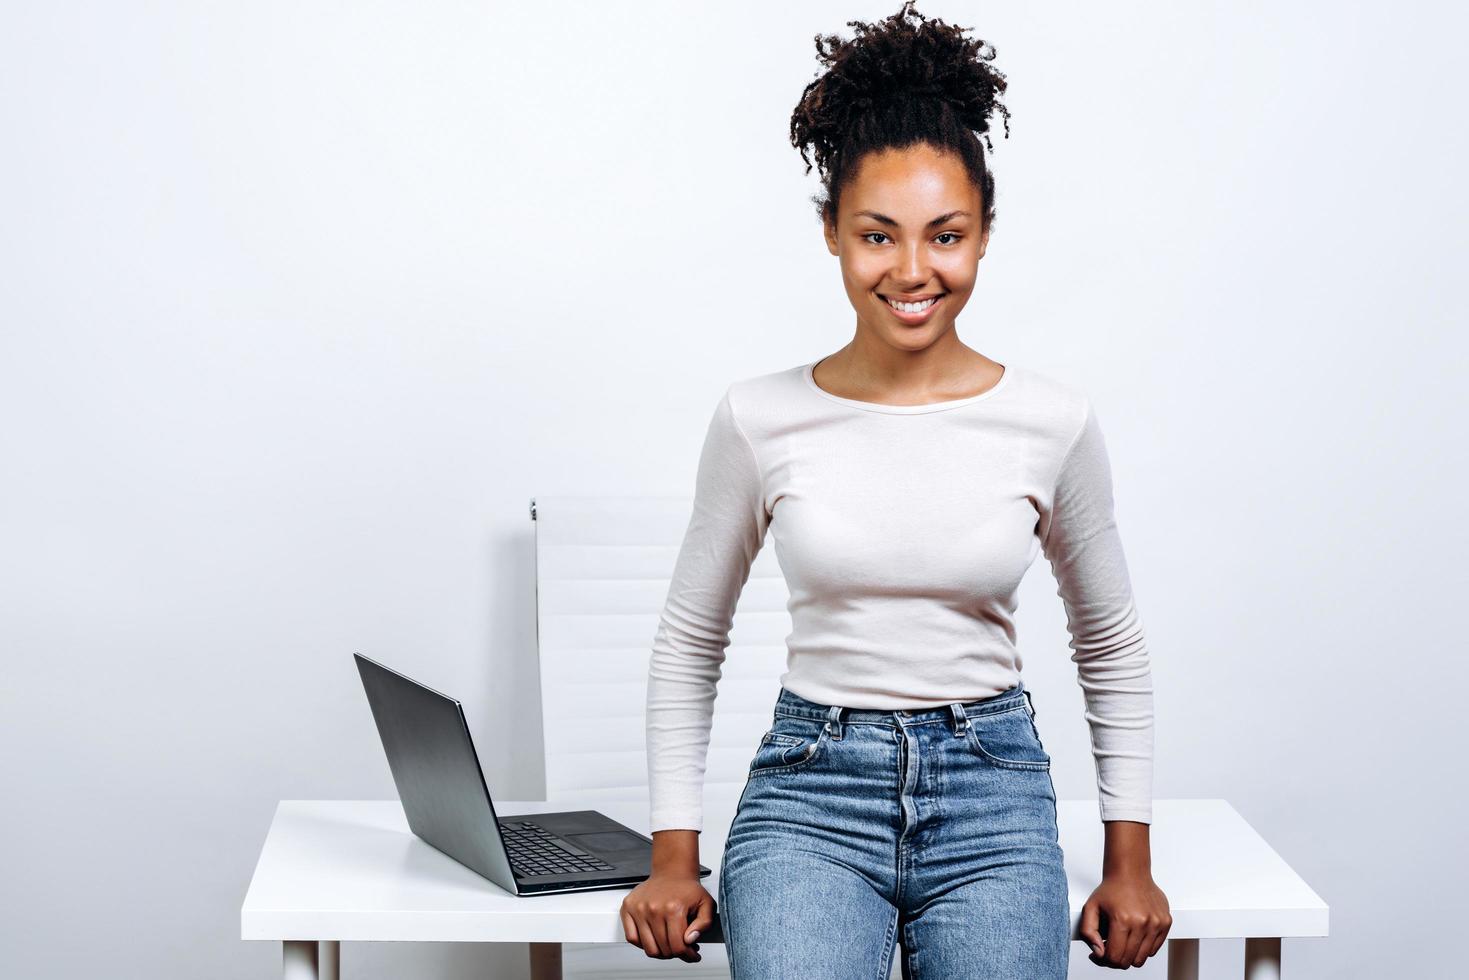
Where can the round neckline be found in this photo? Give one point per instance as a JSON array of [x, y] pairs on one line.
[[809, 373]]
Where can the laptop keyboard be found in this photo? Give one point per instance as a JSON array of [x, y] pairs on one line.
[[535, 851]]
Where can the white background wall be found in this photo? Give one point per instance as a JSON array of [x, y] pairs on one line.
[[303, 302]]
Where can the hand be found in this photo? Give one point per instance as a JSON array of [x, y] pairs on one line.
[[665, 914], [1131, 914]]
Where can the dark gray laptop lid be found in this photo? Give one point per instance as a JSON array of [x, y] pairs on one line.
[[436, 770]]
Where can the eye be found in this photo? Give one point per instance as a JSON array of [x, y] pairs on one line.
[[946, 234]]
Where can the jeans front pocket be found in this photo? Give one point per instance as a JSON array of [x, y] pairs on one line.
[[789, 745], [1009, 740]]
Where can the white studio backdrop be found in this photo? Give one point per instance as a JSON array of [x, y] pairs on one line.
[[303, 302]]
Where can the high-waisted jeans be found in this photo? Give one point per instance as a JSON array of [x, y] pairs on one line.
[[859, 829]]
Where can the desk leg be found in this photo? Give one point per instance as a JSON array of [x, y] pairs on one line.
[[300, 959], [1183, 959], [329, 959], [545, 961], [1262, 959]]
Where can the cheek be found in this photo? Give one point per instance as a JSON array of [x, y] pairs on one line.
[[863, 272], [958, 273]]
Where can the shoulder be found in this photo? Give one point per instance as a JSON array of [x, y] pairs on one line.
[[760, 401], [1052, 411], [772, 386]]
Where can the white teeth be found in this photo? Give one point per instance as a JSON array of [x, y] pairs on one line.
[[913, 307]]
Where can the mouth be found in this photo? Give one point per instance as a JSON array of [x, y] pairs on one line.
[[915, 310]]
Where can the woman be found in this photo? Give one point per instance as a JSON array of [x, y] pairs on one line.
[[902, 794]]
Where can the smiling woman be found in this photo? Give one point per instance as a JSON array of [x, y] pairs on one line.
[[897, 126], [909, 482]]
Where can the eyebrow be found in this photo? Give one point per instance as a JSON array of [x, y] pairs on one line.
[[884, 219]]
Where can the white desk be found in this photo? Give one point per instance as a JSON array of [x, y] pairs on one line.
[[334, 870]]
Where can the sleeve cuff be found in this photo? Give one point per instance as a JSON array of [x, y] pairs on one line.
[[1127, 811]]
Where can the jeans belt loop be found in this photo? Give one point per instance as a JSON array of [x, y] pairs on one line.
[[1031, 704], [961, 720], [834, 721]]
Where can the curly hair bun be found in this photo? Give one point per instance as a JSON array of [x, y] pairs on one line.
[[903, 80]]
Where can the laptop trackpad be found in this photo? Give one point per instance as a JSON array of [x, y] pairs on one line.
[[609, 840]]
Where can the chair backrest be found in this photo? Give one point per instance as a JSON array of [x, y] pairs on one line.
[[603, 566]]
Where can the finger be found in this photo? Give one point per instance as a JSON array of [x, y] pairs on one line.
[[1152, 944], [1119, 940], [670, 935], [628, 928], [1162, 937], [703, 918], [1090, 928], [658, 932], [1138, 938], [676, 925], [1146, 941], [694, 929], [1141, 956], [645, 937]]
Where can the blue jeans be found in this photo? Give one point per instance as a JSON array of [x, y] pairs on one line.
[[860, 828]]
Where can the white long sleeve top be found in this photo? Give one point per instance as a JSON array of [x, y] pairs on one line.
[[903, 532]]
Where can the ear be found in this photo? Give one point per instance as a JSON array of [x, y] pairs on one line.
[[984, 241], [830, 231]]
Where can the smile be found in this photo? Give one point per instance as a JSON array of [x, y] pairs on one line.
[[914, 312], [913, 307]]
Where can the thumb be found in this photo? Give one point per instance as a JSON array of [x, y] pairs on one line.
[[1090, 927], [702, 919]]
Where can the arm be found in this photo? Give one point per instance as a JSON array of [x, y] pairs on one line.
[[1080, 539], [665, 914], [725, 532], [1126, 920]]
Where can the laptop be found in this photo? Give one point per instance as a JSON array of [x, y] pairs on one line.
[[448, 803]]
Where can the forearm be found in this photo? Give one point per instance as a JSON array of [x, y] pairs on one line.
[[1127, 850]]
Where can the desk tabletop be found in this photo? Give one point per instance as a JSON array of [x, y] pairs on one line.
[[352, 870]]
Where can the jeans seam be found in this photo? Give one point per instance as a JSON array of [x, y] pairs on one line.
[[886, 965], [724, 928], [1055, 814], [809, 757], [1021, 764]]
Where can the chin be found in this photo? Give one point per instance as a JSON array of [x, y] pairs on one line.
[[916, 339]]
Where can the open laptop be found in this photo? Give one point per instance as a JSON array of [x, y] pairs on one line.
[[448, 804]]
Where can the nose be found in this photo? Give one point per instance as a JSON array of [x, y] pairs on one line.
[[912, 265]]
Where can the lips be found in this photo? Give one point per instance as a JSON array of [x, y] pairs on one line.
[[914, 317]]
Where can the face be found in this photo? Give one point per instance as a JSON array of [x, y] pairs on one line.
[[908, 229]]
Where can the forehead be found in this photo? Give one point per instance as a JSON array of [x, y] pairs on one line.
[[911, 184]]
